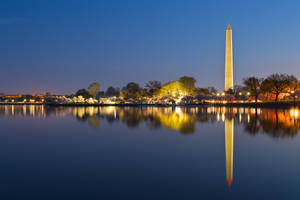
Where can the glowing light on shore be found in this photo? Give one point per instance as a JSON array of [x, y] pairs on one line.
[[294, 113], [178, 100]]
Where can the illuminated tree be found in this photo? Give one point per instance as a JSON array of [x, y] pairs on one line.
[[293, 85], [275, 84], [93, 89], [173, 89], [188, 84]]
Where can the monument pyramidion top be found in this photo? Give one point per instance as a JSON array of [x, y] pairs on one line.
[[228, 27]]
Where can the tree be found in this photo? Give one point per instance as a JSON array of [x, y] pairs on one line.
[[83, 92], [144, 93], [111, 91], [253, 85], [100, 94], [239, 92], [188, 84], [202, 91], [276, 84], [94, 121], [205, 91], [93, 89], [153, 86], [230, 91], [293, 85], [131, 91], [173, 89], [132, 87], [212, 90]]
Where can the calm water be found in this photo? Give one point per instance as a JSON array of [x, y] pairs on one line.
[[148, 153]]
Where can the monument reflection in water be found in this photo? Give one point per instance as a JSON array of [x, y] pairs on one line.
[[229, 138], [278, 123], [274, 123]]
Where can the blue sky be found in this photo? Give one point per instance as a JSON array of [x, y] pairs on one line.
[[61, 46]]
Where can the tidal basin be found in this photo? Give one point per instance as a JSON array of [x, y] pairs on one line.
[[149, 153]]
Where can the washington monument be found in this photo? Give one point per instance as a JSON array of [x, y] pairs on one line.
[[228, 60]]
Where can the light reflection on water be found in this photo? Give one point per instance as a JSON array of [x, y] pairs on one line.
[[276, 124]]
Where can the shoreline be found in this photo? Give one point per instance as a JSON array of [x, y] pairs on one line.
[[228, 104]]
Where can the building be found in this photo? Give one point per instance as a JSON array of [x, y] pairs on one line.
[[228, 60]]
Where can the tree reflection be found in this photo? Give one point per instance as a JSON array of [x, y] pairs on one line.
[[275, 123], [252, 126], [94, 121]]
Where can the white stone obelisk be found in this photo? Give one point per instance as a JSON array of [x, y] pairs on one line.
[[228, 60]]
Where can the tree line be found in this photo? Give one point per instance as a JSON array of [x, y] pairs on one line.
[[269, 88], [273, 85], [183, 87]]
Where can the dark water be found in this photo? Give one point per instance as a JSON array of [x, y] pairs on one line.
[[148, 153]]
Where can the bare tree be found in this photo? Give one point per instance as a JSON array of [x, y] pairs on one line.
[[294, 85], [253, 85], [276, 84], [153, 86]]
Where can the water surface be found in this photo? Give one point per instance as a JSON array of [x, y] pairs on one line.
[[148, 153]]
